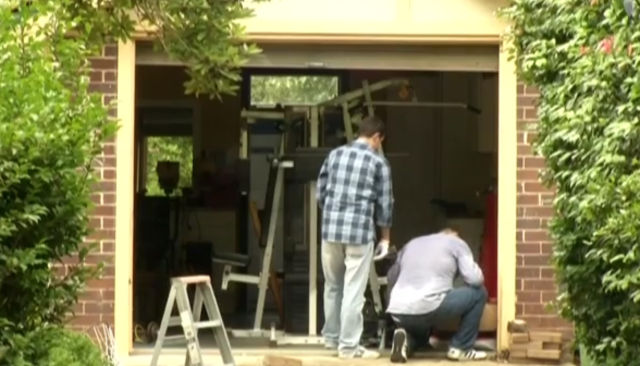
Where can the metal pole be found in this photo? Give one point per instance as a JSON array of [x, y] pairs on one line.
[[367, 97], [265, 270], [385, 103], [313, 233], [358, 93], [348, 126], [244, 144]]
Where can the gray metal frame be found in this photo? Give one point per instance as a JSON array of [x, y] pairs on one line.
[[262, 279]]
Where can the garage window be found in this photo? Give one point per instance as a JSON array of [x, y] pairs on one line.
[[167, 148], [267, 91]]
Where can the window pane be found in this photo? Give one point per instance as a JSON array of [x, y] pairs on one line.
[[269, 90], [168, 148]]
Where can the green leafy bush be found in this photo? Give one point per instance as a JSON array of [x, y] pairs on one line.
[[54, 346], [51, 130], [585, 58]]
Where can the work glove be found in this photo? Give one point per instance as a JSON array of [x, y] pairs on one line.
[[381, 250]]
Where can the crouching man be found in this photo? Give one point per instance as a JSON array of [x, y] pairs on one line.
[[422, 295]]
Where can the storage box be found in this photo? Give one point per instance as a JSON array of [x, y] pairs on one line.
[[488, 323]]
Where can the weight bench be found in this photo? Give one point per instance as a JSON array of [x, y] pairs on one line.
[[230, 260], [238, 260], [266, 278]]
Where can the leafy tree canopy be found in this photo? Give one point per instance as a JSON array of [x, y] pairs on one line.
[[203, 34]]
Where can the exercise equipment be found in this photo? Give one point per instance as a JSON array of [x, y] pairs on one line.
[[303, 164]]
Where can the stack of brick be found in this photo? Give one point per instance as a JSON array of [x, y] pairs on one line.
[[529, 346], [535, 284]]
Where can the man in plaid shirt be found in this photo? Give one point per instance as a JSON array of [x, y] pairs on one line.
[[354, 188]]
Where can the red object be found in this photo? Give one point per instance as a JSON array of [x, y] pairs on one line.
[[489, 256], [606, 45]]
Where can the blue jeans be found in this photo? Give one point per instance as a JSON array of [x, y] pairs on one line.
[[464, 303], [346, 273]]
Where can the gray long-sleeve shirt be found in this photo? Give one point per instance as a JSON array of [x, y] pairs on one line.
[[424, 272]]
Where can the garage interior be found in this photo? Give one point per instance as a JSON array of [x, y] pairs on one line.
[[196, 196]]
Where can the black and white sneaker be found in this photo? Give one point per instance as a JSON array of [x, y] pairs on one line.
[[468, 355], [399, 347]]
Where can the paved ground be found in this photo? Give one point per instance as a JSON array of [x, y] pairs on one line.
[[315, 358], [174, 360]]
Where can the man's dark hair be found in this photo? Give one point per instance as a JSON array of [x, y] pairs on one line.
[[371, 125]]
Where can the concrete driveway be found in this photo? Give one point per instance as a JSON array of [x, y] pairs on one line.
[[243, 357]]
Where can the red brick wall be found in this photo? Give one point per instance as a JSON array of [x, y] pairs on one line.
[[95, 306], [535, 285]]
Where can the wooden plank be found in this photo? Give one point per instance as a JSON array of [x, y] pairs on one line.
[[519, 347], [544, 354], [550, 337], [517, 354], [534, 345], [551, 346], [271, 360], [520, 338]]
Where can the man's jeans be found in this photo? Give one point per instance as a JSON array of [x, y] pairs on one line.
[[464, 303], [346, 272]]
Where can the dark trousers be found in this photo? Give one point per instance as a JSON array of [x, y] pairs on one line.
[[464, 303]]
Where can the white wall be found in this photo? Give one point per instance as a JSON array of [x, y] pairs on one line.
[[380, 17]]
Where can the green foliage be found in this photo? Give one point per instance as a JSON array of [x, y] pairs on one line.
[[206, 36], [54, 346], [168, 148], [584, 57], [51, 130], [272, 90], [203, 34]]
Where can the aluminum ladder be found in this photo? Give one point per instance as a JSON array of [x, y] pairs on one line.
[[189, 319]]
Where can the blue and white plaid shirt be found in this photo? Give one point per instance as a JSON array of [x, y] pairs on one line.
[[354, 183]]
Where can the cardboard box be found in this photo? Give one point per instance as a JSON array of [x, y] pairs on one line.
[[488, 323]]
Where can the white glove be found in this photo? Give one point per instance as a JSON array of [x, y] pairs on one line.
[[381, 250]]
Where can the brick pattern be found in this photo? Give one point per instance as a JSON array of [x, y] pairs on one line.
[[96, 304], [535, 284]]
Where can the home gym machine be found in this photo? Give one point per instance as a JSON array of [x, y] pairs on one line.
[[303, 164]]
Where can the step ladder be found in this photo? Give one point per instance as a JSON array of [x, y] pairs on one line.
[[189, 319]]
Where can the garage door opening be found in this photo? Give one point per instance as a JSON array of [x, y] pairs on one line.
[[443, 154]]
